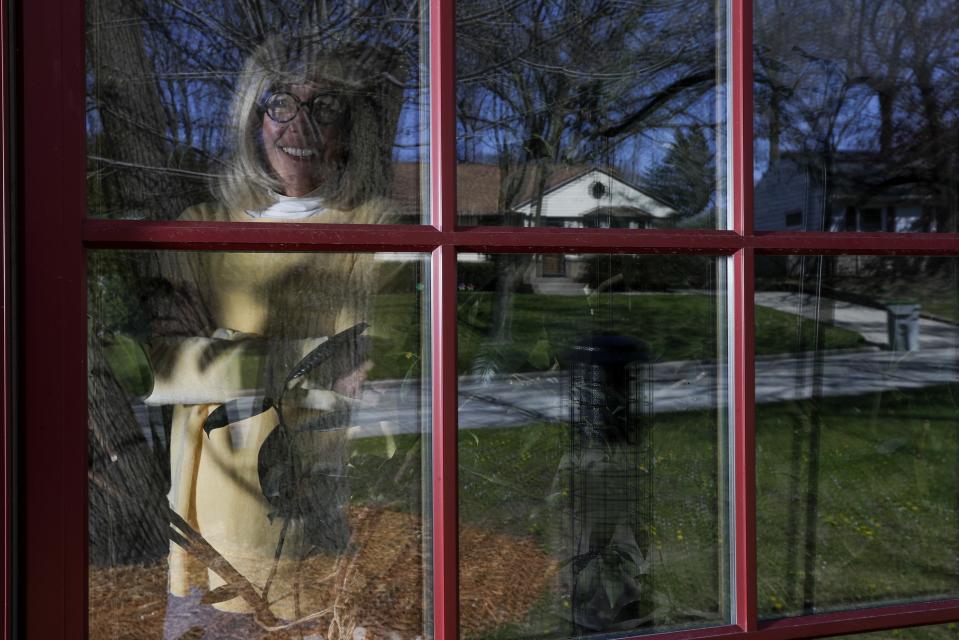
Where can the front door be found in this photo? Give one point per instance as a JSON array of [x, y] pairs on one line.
[[554, 265]]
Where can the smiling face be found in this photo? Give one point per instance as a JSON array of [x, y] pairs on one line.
[[301, 153]]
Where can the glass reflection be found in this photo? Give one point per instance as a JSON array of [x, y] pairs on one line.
[[856, 431], [856, 115], [591, 395], [577, 114], [256, 439], [183, 107]]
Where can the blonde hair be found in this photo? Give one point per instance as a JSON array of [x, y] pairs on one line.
[[369, 81]]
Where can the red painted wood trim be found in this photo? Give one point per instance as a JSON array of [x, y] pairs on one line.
[[253, 236], [53, 409], [74, 360], [6, 326], [743, 384], [741, 118], [827, 243], [443, 113], [726, 632], [261, 236], [744, 440], [445, 484], [824, 625], [443, 309], [44, 589], [860, 620]]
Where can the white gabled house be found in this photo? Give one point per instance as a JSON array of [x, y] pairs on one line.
[[575, 196], [594, 198]]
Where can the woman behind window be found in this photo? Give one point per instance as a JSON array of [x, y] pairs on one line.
[[258, 492]]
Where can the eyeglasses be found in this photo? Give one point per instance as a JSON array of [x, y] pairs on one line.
[[324, 108]]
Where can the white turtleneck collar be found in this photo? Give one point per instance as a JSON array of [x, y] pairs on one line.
[[290, 207]]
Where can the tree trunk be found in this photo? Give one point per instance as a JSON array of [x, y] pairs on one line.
[[133, 141], [127, 475]]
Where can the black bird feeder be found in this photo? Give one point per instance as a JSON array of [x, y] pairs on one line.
[[609, 475]]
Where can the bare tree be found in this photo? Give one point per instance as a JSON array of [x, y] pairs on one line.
[[555, 83]]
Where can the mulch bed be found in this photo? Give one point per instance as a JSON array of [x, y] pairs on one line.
[[501, 577]]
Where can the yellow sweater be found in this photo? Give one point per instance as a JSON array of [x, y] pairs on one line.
[[293, 300]]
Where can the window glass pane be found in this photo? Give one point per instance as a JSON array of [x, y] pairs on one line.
[[274, 109], [856, 436], [258, 445], [856, 111], [591, 444], [591, 114]]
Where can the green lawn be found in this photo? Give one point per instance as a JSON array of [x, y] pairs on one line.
[[886, 507], [543, 327], [886, 514], [876, 281], [935, 293]]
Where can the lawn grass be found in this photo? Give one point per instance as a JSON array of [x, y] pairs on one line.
[[934, 290], [885, 527], [543, 327], [930, 282], [886, 505]]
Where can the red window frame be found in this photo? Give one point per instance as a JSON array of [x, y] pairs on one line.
[[49, 594]]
